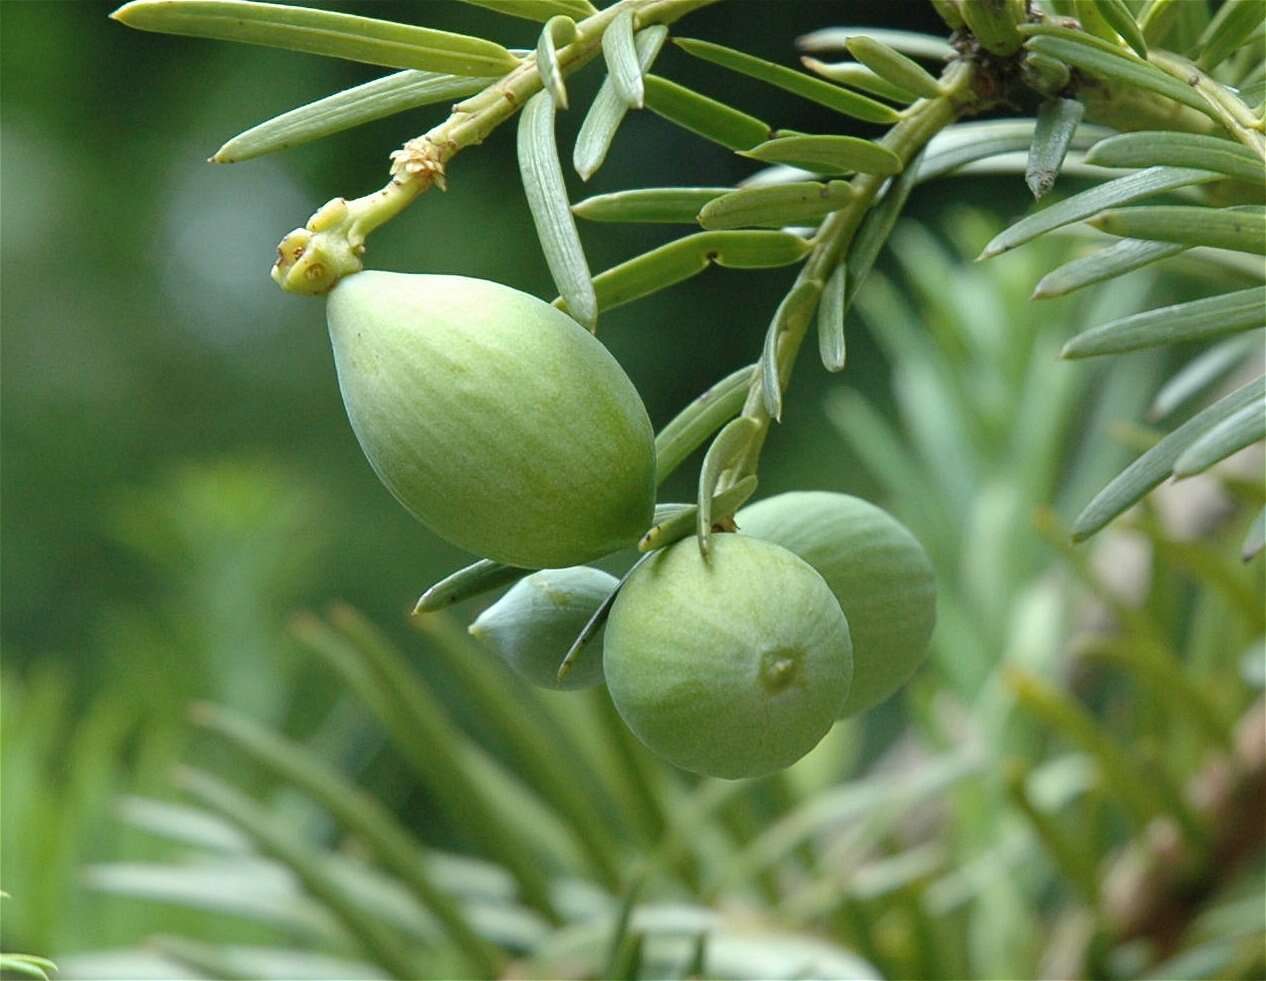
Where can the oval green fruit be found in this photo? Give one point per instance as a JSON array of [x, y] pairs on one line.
[[534, 624], [497, 420], [877, 570], [733, 666]]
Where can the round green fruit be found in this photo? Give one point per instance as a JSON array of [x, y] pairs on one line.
[[877, 570], [534, 624], [731, 666], [497, 420]]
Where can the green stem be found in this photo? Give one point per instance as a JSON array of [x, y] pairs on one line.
[[1238, 119], [919, 123], [314, 258]]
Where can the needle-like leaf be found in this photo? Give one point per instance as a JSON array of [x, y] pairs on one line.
[[547, 198], [828, 154], [1118, 17], [1239, 229], [322, 32], [540, 10], [706, 117], [893, 66], [1232, 434], [1116, 67], [607, 110], [699, 420], [352, 107], [1233, 24], [857, 76], [474, 580], [724, 451], [558, 32], [1057, 121], [1160, 148], [623, 68], [1145, 473], [671, 205], [775, 205], [807, 87], [679, 260], [1123, 190], [683, 521], [1117, 259], [907, 42], [1197, 320], [831, 309], [796, 305], [1201, 373]]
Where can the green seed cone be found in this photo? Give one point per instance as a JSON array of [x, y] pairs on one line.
[[877, 570], [534, 624], [734, 666], [495, 419]]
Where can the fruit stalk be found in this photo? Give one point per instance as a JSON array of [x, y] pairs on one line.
[[921, 122], [312, 259]]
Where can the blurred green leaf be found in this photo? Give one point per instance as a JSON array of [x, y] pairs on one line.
[[1120, 19], [1234, 23]]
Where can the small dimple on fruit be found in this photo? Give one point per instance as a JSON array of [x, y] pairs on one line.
[[877, 570], [731, 666], [778, 669]]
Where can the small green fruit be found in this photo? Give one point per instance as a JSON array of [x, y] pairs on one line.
[[733, 666], [877, 570], [534, 624], [494, 418]]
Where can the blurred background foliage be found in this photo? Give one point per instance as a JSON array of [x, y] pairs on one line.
[[179, 479]]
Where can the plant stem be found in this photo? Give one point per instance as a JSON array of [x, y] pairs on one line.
[[920, 123], [314, 258]]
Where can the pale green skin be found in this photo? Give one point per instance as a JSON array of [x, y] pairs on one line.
[[497, 420], [534, 624], [877, 570], [734, 666]]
